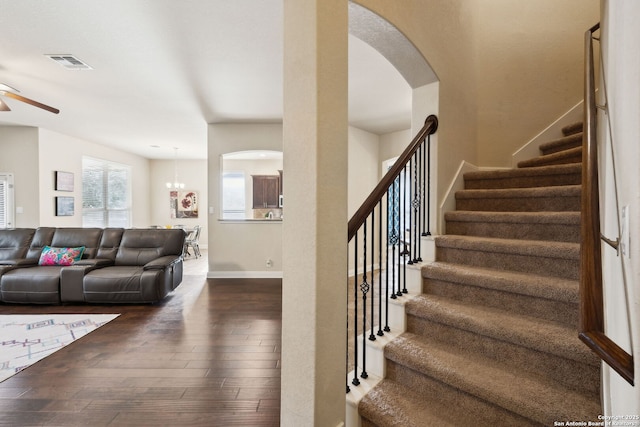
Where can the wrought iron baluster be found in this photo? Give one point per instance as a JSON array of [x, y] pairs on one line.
[[409, 227], [364, 288], [380, 333], [386, 294], [355, 380], [372, 336], [395, 233], [428, 197], [423, 154], [417, 202], [347, 339], [400, 236], [415, 206], [405, 252]]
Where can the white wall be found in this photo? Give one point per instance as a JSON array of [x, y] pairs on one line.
[[425, 102], [193, 173], [620, 46], [363, 176], [19, 155], [363, 166], [392, 145], [241, 248], [62, 152], [33, 155]]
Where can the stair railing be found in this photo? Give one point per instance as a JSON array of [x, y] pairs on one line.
[[390, 240], [592, 331]]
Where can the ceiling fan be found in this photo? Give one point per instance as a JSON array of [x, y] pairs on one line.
[[8, 91]]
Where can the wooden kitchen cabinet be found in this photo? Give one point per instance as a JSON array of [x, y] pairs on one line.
[[266, 191]]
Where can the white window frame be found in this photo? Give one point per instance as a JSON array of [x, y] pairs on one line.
[[7, 200], [105, 166]]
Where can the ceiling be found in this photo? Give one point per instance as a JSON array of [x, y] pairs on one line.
[[163, 69]]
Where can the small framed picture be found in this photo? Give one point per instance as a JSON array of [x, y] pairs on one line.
[[64, 206], [64, 181]]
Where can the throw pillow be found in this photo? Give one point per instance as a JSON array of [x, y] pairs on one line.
[[60, 256]]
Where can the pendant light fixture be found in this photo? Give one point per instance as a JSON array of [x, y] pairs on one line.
[[175, 185]]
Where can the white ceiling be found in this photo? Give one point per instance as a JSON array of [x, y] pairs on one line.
[[163, 69]]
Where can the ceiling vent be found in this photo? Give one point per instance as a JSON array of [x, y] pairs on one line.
[[69, 62]]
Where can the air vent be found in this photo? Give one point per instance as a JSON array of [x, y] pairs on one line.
[[69, 62]]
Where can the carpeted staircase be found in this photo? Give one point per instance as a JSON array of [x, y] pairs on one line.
[[493, 339]]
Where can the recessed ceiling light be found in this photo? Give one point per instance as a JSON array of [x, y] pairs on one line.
[[69, 62]]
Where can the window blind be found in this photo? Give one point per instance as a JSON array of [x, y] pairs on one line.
[[105, 193], [6, 200], [233, 199]]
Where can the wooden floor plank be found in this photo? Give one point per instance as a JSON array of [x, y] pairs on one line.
[[207, 355]]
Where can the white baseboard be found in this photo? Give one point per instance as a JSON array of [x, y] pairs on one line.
[[449, 200], [244, 275], [553, 131]]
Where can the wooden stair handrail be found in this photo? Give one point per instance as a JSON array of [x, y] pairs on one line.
[[358, 218], [592, 331]]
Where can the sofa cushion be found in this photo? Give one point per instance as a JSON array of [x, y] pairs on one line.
[[14, 244], [139, 246], [109, 243], [41, 238], [40, 285], [60, 256], [73, 237], [126, 284]]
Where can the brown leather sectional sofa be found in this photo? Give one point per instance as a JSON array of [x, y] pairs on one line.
[[117, 265]]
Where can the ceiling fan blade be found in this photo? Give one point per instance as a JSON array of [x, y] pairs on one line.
[[7, 87], [4, 106], [30, 101]]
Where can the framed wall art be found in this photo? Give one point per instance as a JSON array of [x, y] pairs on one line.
[[64, 206], [183, 204], [64, 181]]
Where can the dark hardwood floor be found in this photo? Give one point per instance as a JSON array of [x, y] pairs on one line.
[[208, 355]]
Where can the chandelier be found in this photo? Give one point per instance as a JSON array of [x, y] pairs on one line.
[[175, 185]]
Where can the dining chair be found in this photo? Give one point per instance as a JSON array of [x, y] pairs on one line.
[[192, 241]]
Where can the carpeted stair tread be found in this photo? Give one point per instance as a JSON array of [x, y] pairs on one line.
[[533, 398], [540, 257], [552, 288], [521, 330], [538, 248], [555, 226], [392, 404], [566, 142], [573, 128], [547, 298], [554, 198], [572, 155], [565, 218], [557, 191], [564, 174]]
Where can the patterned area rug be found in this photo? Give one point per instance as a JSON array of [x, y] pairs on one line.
[[25, 339]]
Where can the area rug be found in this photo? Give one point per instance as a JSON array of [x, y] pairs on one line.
[[25, 339]]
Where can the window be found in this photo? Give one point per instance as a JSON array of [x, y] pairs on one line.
[[105, 193], [233, 197], [399, 205], [6, 200]]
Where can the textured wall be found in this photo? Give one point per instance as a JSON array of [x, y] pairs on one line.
[[507, 69], [529, 62]]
